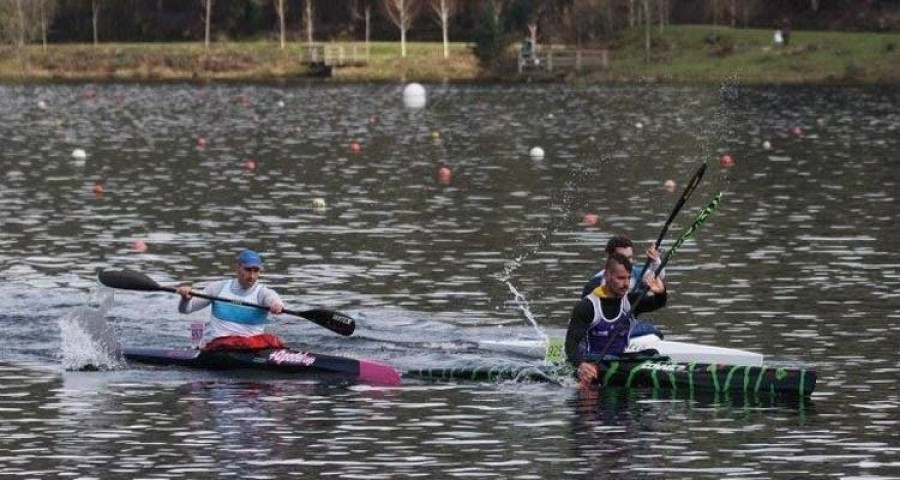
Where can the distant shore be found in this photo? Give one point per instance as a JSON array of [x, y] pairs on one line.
[[682, 54]]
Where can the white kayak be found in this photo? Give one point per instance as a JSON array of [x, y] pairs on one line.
[[681, 352]]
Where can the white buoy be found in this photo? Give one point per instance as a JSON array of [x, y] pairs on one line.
[[319, 204], [79, 156], [638, 125], [766, 145], [537, 153], [42, 104], [281, 103], [414, 96]]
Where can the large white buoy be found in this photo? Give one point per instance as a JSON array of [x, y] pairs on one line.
[[414, 95], [537, 153]]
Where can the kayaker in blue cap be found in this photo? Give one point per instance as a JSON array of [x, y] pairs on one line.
[[600, 323], [231, 326]]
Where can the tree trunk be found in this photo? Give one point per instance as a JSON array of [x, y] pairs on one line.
[[715, 14], [647, 21], [732, 12], [20, 13], [368, 28], [280, 11], [309, 22], [403, 28], [532, 32], [95, 16], [631, 13], [208, 18], [445, 20], [43, 26]]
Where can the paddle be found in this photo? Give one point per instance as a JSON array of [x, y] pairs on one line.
[[688, 190], [643, 290], [132, 280]]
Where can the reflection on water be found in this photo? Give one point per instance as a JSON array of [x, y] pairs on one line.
[[799, 262]]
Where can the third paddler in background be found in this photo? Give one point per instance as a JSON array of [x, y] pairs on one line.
[[236, 327], [623, 245], [606, 310]]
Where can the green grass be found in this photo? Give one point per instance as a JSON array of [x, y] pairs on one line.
[[683, 54], [679, 54]]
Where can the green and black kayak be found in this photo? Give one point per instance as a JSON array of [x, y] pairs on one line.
[[646, 373]]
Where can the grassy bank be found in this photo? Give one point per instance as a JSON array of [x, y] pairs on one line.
[[680, 54]]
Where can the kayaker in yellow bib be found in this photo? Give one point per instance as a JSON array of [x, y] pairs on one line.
[[600, 323]]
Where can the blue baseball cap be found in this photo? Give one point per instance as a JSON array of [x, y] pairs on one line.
[[249, 258]]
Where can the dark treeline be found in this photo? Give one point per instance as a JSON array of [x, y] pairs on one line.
[[571, 21]]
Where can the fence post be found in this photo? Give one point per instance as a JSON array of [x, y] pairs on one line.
[[550, 60], [578, 60], [605, 58]]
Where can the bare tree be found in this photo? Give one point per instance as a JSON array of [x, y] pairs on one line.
[[207, 5], [444, 9], [648, 18], [401, 13], [279, 10], [20, 20], [95, 17], [47, 10], [362, 9], [308, 21]]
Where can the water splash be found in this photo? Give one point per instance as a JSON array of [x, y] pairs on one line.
[[87, 341]]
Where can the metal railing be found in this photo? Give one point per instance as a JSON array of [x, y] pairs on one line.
[[551, 60], [334, 55]]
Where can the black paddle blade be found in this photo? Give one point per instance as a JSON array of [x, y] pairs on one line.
[[335, 321], [695, 181], [128, 280]]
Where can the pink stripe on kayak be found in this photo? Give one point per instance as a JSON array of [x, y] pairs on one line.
[[378, 373]]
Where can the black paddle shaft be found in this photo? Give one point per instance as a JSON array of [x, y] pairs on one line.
[[133, 280], [688, 191]]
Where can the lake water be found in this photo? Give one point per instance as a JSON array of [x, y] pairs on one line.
[[800, 262]]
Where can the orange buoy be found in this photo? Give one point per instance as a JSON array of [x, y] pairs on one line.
[[139, 246], [726, 161], [201, 143], [355, 147], [590, 219], [669, 185], [444, 174], [249, 164]]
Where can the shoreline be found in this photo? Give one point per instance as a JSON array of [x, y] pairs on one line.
[[684, 55]]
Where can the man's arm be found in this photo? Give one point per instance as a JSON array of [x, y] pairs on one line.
[[189, 304], [579, 322], [269, 299], [650, 302]]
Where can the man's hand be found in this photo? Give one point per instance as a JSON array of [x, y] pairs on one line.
[[587, 373], [185, 292], [655, 283], [277, 308], [653, 254]]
